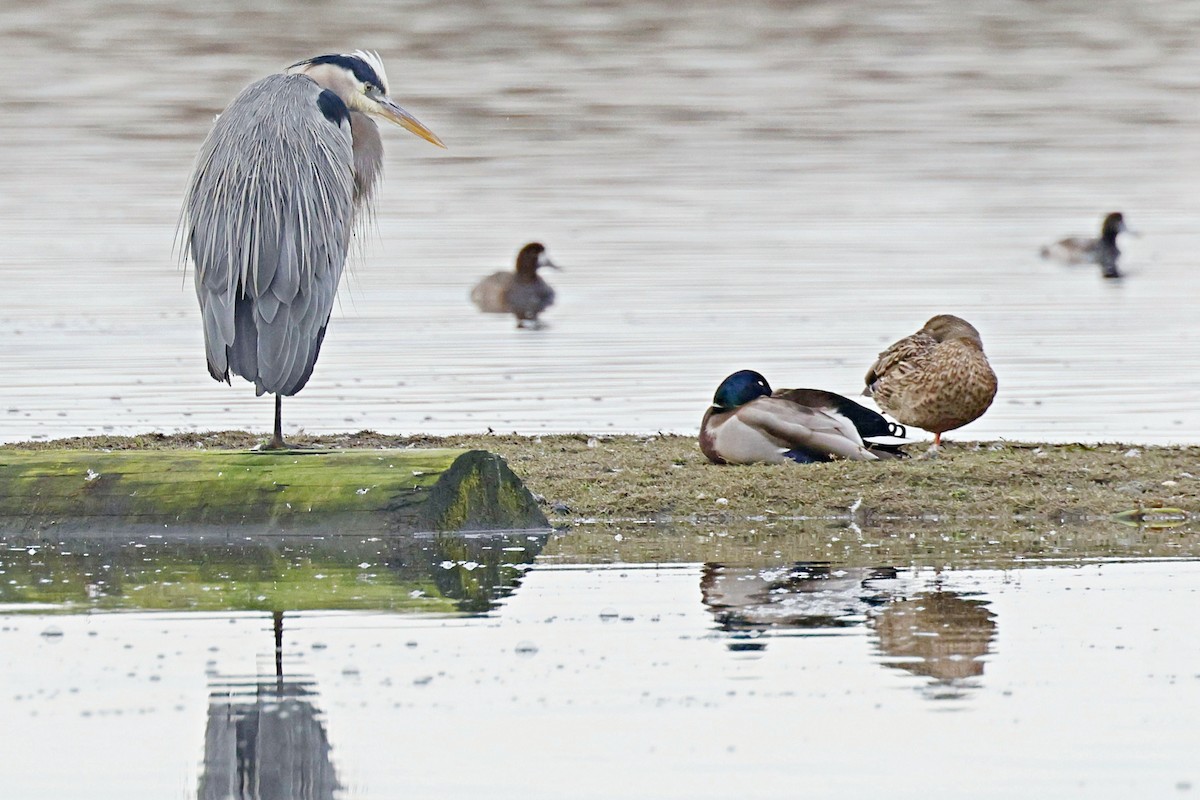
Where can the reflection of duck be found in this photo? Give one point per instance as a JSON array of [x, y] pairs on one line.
[[1082, 250], [748, 424], [521, 293], [941, 635], [800, 595], [938, 379]]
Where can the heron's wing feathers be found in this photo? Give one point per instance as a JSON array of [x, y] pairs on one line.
[[268, 223]]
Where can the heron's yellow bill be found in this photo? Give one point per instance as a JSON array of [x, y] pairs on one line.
[[394, 113]]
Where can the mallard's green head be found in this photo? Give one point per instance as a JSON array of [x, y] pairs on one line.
[[740, 388]]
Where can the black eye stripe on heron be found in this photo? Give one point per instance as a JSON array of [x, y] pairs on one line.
[[361, 69]]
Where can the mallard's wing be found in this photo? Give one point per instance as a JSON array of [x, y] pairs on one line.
[[900, 359], [820, 434], [866, 421]]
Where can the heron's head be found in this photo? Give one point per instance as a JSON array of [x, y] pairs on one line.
[[359, 79]]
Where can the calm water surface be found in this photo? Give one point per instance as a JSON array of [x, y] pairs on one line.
[[769, 185], [682, 680]]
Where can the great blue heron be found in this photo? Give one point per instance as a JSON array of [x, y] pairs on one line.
[[286, 170]]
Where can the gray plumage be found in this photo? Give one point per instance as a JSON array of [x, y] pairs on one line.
[[269, 216], [279, 183]]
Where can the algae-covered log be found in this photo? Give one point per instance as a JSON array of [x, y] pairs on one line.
[[426, 573], [329, 491]]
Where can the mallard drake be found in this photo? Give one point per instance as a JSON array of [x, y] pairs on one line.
[[938, 379], [1082, 250], [747, 424], [521, 293]]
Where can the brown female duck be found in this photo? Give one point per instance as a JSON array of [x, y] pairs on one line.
[[522, 293], [938, 379]]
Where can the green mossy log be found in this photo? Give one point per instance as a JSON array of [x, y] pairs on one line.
[[325, 491]]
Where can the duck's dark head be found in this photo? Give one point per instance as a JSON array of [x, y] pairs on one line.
[[740, 388], [532, 258], [1114, 223]]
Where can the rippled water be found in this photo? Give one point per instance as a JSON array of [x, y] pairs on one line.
[[727, 185]]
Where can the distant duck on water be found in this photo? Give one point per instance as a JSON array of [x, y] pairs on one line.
[[522, 292], [1082, 250], [748, 424], [937, 379]]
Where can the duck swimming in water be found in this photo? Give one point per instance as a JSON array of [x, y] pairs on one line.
[[749, 424], [938, 379], [522, 293], [1082, 250]]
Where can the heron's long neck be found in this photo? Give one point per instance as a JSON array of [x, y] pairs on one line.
[[368, 157]]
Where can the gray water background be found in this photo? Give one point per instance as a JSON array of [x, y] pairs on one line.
[[786, 187]]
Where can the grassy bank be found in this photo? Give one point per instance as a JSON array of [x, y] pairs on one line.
[[627, 478]]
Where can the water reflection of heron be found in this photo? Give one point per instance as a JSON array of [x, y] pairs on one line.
[[265, 738]]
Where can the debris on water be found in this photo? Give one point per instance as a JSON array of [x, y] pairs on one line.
[[608, 614], [525, 648], [52, 632]]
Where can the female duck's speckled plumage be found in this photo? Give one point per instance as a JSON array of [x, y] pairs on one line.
[[938, 379], [521, 293], [1083, 250], [748, 424]]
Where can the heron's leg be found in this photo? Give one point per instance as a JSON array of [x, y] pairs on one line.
[[277, 442]]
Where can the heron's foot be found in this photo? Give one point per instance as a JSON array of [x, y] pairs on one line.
[[276, 443]]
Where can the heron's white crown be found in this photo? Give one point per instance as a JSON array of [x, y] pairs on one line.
[[372, 58]]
